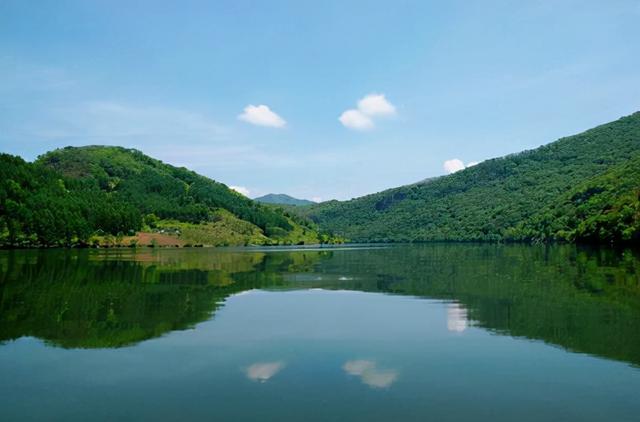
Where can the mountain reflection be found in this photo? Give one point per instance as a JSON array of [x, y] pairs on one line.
[[95, 299], [581, 299]]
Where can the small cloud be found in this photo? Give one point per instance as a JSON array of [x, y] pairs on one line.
[[369, 373], [261, 115], [372, 105], [453, 165], [264, 371], [355, 119], [376, 105], [240, 189], [316, 199]]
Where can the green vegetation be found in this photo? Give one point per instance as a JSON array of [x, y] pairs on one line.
[[283, 199], [39, 206], [603, 208], [78, 196], [581, 188]]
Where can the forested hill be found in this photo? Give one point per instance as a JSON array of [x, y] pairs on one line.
[[72, 194], [283, 199], [580, 188]]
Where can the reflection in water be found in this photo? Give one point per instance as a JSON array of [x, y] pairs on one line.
[[115, 298], [331, 356], [370, 374], [264, 371], [585, 300], [456, 318]]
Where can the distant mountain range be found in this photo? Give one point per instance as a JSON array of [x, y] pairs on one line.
[[583, 188], [282, 199]]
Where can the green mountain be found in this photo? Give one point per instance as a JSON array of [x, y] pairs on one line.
[[282, 199], [580, 188], [70, 195]]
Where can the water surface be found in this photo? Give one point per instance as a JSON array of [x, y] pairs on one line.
[[429, 332]]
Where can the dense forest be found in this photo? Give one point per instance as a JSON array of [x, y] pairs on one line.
[[71, 195], [580, 188]]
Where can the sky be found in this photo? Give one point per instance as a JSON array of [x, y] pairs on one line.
[[317, 99]]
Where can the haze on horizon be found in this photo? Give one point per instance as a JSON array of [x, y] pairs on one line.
[[318, 101]]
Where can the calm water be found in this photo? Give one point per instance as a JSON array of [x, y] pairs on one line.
[[434, 332]]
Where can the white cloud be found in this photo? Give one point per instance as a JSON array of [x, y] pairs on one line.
[[453, 165], [178, 136], [264, 371], [240, 189], [316, 199], [370, 106], [261, 115], [376, 105], [369, 373], [355, 119]]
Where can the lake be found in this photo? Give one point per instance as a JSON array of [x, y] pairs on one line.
[[443, 332]]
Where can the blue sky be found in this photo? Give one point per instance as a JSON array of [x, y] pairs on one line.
[[186, 82]]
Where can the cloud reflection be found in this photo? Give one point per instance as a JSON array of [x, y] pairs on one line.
[[263, 371], [370, 374], [456, 318]]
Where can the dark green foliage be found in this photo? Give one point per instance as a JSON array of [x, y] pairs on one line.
[[583, 187], [69, 194], [603, 208], [39, 206], [154, 187]]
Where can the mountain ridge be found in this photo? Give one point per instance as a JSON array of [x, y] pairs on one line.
[[77, 195], [282, 199], [504, 198], [580, 188]]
